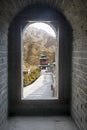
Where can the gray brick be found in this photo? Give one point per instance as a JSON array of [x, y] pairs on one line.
[[75, 11]]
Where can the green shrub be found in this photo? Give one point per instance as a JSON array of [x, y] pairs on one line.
[[30, 78]]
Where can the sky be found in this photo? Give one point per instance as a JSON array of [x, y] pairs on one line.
[[44, 27]]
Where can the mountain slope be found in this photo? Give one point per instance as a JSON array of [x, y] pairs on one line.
[[37, 41]]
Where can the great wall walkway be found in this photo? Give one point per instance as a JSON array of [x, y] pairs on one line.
[[41, 88]]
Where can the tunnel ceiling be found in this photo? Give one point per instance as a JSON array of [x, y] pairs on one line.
[[73, 9]]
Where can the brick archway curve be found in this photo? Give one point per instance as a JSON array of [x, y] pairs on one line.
[[39, 12]]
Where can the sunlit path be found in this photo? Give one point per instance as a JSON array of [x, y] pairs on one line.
[[41, 88]]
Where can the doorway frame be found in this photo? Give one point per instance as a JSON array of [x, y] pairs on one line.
[[39, 107], [23, 28]]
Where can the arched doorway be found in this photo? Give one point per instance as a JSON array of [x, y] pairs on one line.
[[39, 107], [40, 61]]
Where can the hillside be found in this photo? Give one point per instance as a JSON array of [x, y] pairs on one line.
[[35, 42]]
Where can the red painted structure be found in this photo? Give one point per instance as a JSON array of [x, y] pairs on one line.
[[43, 61]]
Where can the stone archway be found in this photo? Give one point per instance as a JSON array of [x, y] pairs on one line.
[[40, 54], [16, 105]]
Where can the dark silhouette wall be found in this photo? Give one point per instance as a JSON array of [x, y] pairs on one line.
[[40, 107], [75, 12]]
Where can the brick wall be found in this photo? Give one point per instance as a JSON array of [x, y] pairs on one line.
[[79, 67], [75, 11], [79, 81], [3, 79]]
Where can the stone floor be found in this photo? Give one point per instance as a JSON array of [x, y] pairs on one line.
[[41, 88], [41, 123]]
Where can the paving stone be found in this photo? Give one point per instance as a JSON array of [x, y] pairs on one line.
[[41, 123]]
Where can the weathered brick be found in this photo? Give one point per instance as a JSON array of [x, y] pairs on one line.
[[75, 11]]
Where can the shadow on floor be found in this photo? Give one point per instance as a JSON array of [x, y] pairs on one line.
[[41, 123]]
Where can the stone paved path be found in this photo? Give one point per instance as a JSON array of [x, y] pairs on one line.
[[41, 88]]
